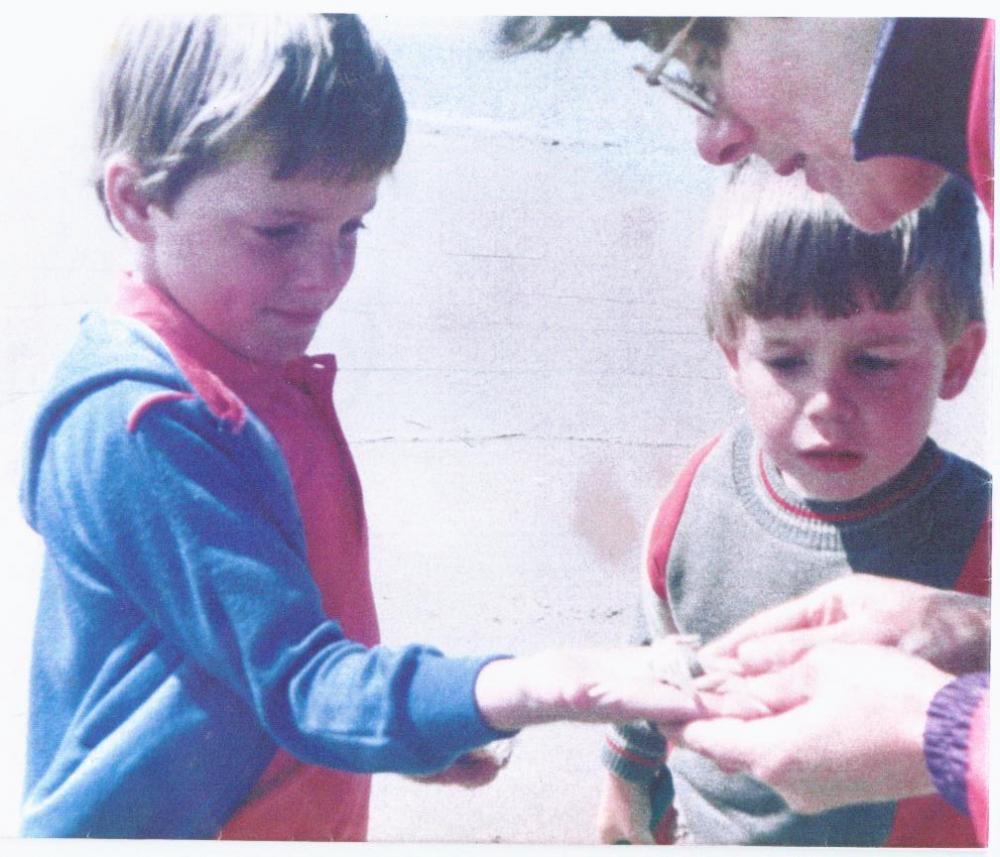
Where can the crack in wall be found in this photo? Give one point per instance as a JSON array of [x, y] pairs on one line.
[[473, 440]]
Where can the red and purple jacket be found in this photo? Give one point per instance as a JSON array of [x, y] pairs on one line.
[[931, 95]]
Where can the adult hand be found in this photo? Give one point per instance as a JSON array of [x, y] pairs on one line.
[[949, 629], [847, 727], [609, 685]]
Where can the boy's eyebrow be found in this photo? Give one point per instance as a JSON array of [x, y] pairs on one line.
[[308, 213], [890, 339], [877, 339], [778, 340]]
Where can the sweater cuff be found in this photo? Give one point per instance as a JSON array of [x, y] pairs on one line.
[[634, 752], [946, 735]]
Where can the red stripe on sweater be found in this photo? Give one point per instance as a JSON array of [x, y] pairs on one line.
[[645, 761], [975, 576], [661, 536], [907, 490], [930, 822]]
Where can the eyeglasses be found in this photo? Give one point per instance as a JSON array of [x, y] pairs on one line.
[[690, 80]]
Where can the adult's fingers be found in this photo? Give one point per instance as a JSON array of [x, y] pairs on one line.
[[775, 651], [752, 697], [807, 611], [733, 744], [732, 700]]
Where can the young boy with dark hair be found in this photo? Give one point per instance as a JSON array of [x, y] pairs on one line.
[[839, 342], [206, 658]]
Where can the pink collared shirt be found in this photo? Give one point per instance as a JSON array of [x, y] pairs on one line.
[[292, 800]]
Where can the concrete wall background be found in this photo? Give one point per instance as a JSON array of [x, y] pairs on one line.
[[523, 367]]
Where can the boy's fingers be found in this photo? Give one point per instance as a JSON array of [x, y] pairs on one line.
[[478, 767], [647, 700], [625, 837]]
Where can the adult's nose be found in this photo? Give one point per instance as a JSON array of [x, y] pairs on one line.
[[724, 139]]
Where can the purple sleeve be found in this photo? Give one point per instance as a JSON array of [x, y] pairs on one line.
[[946, 735]]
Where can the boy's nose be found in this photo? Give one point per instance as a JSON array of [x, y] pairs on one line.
[[831, 401], [724, 139], [326, 269]]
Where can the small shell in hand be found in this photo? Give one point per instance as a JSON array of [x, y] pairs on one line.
[[674, 660]]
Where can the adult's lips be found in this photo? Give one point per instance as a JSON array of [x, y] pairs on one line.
[[815, 182], [790, 165]]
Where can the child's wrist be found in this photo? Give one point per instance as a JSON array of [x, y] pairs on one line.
[[501, 695], [523, 691]]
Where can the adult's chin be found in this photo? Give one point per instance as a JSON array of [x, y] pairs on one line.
[[872, 215], [886, 189]]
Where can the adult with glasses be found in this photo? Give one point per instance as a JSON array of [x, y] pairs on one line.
[[876, 112]]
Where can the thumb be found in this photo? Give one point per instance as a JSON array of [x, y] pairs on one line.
[[735, 744]]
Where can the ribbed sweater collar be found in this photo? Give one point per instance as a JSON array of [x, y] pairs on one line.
[[822, 524]]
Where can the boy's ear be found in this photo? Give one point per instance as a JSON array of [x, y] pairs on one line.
[[961, 359], [732, 355], [126, 201]]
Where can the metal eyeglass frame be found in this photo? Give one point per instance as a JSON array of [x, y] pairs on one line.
[[698, 94]]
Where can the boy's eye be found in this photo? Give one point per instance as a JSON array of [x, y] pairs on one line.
[[874, 363], [786, 363], [352, 227], [280, 232]]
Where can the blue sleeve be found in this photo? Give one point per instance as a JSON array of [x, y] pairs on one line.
[[197, 529]]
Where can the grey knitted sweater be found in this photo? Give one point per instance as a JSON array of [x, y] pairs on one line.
[[729, 540]]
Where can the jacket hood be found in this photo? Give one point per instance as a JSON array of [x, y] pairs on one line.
[[108, 349]]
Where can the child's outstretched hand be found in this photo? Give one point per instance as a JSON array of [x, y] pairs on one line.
[[476, 768], [588, 685], [625, 813]]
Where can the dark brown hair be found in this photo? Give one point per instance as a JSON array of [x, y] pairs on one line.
[[779, 250], [521, 33]]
